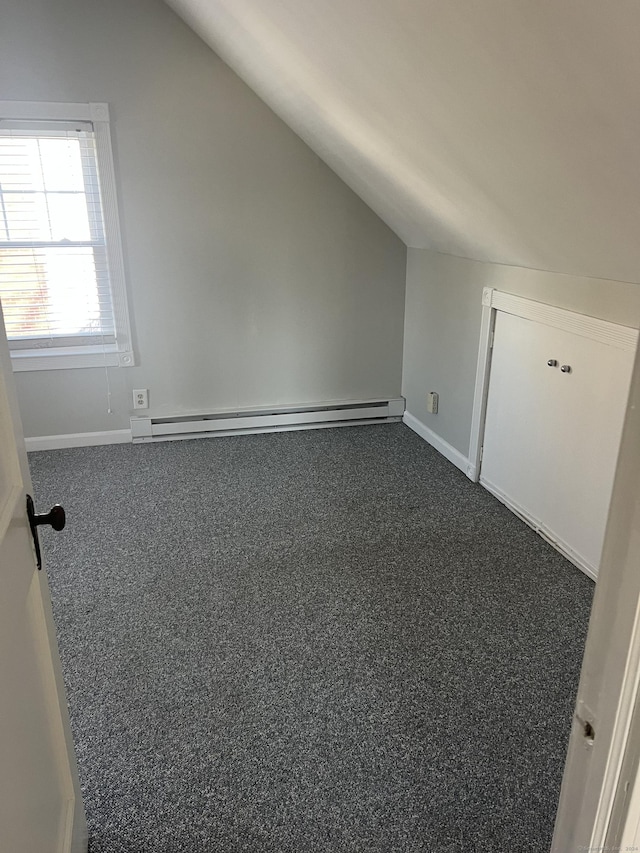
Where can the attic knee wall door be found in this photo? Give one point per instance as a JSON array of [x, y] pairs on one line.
[[551, 437]]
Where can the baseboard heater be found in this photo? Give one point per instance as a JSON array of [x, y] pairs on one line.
[[267, 420]]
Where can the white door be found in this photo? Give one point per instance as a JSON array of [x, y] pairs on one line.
[[40, 805], [551, 437]]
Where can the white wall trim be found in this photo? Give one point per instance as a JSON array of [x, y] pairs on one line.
[[54, 110], [26, 360], [439, 444], [481, 390], [113, 232], [622, 337], [78, 439]]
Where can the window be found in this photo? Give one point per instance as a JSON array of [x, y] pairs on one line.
[[61, 269]]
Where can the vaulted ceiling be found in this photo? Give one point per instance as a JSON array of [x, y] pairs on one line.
[[501, 130]]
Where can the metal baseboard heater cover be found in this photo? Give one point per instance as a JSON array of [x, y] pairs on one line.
[[352, 413]]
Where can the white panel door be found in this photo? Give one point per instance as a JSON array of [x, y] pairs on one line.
[[40, 806], [551, 438]]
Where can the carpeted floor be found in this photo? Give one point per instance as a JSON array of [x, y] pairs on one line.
[[321, 641]]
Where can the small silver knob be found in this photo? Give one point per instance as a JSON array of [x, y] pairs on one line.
[[566, 368], [553, 362]]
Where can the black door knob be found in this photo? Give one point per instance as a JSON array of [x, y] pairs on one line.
[[55, 517]]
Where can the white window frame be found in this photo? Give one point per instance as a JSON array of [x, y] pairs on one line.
[[120, 353]]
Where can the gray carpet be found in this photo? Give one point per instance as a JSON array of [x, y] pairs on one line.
[[316, 641]]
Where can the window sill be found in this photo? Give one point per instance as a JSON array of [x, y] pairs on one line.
[[65, 358]]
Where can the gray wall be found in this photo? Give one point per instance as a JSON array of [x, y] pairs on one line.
[[256, 276], [442, 326]]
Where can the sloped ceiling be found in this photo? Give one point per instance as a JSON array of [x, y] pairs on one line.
[[501, 130]]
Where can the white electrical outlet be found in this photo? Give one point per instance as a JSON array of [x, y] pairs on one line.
[[432, 403], [141, 398]]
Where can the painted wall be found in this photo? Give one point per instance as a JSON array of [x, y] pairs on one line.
[[442, 326], [256, 277]]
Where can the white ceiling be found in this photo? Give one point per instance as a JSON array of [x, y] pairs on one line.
[[501, 130]]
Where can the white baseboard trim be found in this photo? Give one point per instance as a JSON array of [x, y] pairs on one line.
[[78, 439], [542, 530], [432, 438]]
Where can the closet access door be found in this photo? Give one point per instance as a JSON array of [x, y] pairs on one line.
[[555, 409]]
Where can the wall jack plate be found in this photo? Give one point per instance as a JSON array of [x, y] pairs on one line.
[[432, 403], [141, 398]]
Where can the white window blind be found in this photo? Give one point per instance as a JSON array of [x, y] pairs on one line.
[[56, 284]]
